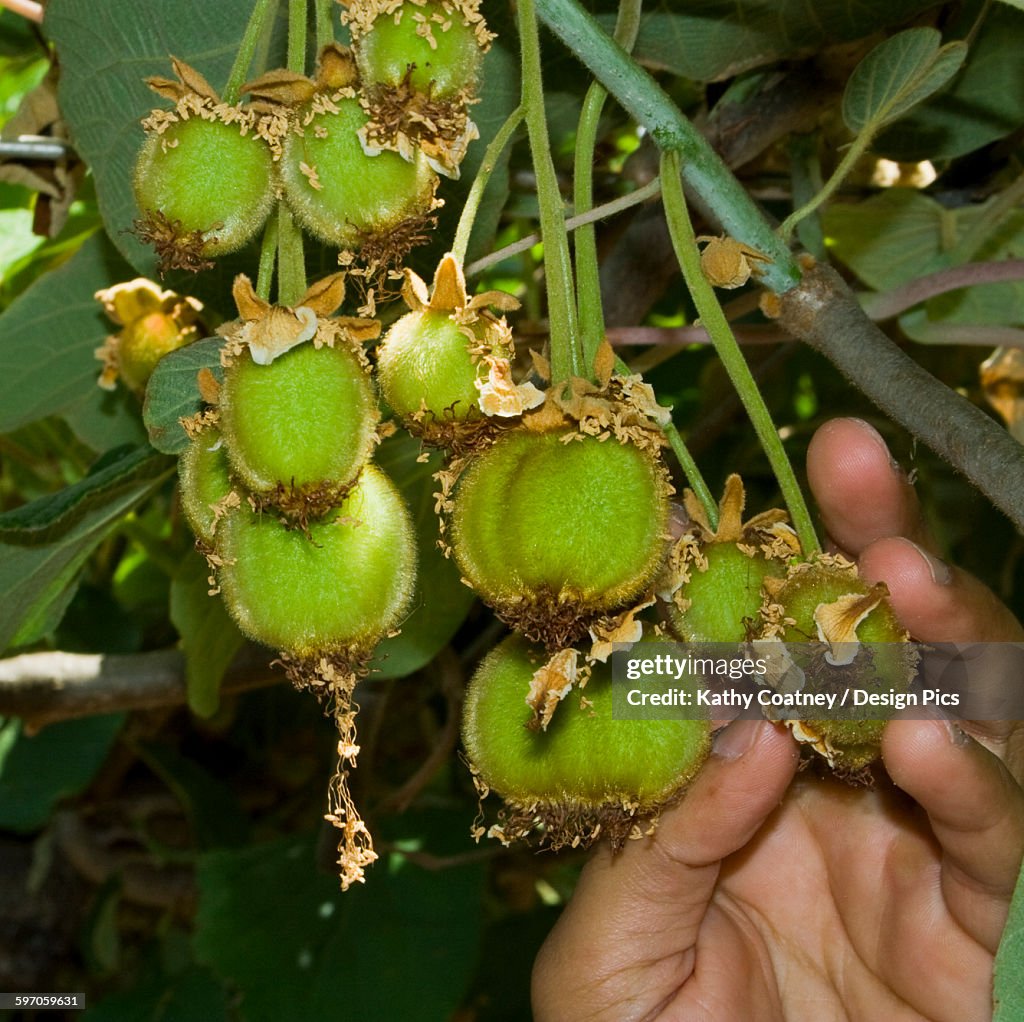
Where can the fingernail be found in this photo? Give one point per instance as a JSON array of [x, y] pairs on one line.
[[736, 739], [957, 735], [877, 437], [940, 570]]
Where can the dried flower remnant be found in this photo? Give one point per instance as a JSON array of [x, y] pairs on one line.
[[153, 323]]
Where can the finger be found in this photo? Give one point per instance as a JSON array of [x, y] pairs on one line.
[[625, 944], [861, 492], [935, 602], [976, 811]]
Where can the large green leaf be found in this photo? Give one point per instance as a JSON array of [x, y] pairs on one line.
[[709, 40], [44, 544], [440, 602], [37, 772], [897, 75], [47, 340], [983, 104], [296, 947], [173, 392], [106, 48]]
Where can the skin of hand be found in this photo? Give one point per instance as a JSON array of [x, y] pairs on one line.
[[770, 895]]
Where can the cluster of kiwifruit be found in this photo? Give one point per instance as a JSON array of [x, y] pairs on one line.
[[354, 152]]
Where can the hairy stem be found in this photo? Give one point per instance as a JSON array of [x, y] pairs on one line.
[[588, 277], [291, 259], [713, 320], [324, 23], [297, 11], [566, 354], [250, 40], [268, 257], [476, 193], [607, 209], [703, 170]]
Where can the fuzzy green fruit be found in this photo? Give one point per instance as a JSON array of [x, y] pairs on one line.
[[424, 364], [840, 632], [436, 43], [723, 597], [205, 481], [298, 430], [338, 588], [553, 534], [210, 187], [586, 768], [340, 194]]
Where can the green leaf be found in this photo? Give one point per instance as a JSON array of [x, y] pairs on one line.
[[209, 638], [296, 947], [1019, 4], [36, 773], [1009, 967], [897, 75], [44, 544], [715, 39], [47, 341], [106, 49], [440, 602], [191, 994], [982, 105], [173, 392]]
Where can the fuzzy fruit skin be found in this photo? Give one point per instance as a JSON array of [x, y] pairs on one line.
[[205, 480], [584, 757], [424, 361], [305, 420], [214, 180], [725, 598], [385, 54], [583, 521], [855, 743], [359, 195], [341, 588]]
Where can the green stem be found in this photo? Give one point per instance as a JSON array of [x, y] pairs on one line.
[[324, 24], [297, 12], [566, 354], [268, 256], [685, 459], [291, 260], [476, 193], [857, 149], [648, 105], [588, 275], [246, 49], [713, 319]]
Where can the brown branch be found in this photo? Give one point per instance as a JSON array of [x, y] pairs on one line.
[[43, 688], [891, 303], [825, 313]]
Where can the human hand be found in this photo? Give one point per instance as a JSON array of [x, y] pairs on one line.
[[764, 897]]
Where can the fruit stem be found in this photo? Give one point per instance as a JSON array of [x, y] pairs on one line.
[[324, 25], [297, 10], [246, 49], [644, 100], [685, 459], [588, 278], [476, 193], [857, 149], [291, 259], [713, 320], [268, 254], [566, 354]]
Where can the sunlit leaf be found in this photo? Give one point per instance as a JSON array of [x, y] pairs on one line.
[[1009, 968]]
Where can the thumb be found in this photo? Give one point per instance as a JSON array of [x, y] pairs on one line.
[[626, 942]]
